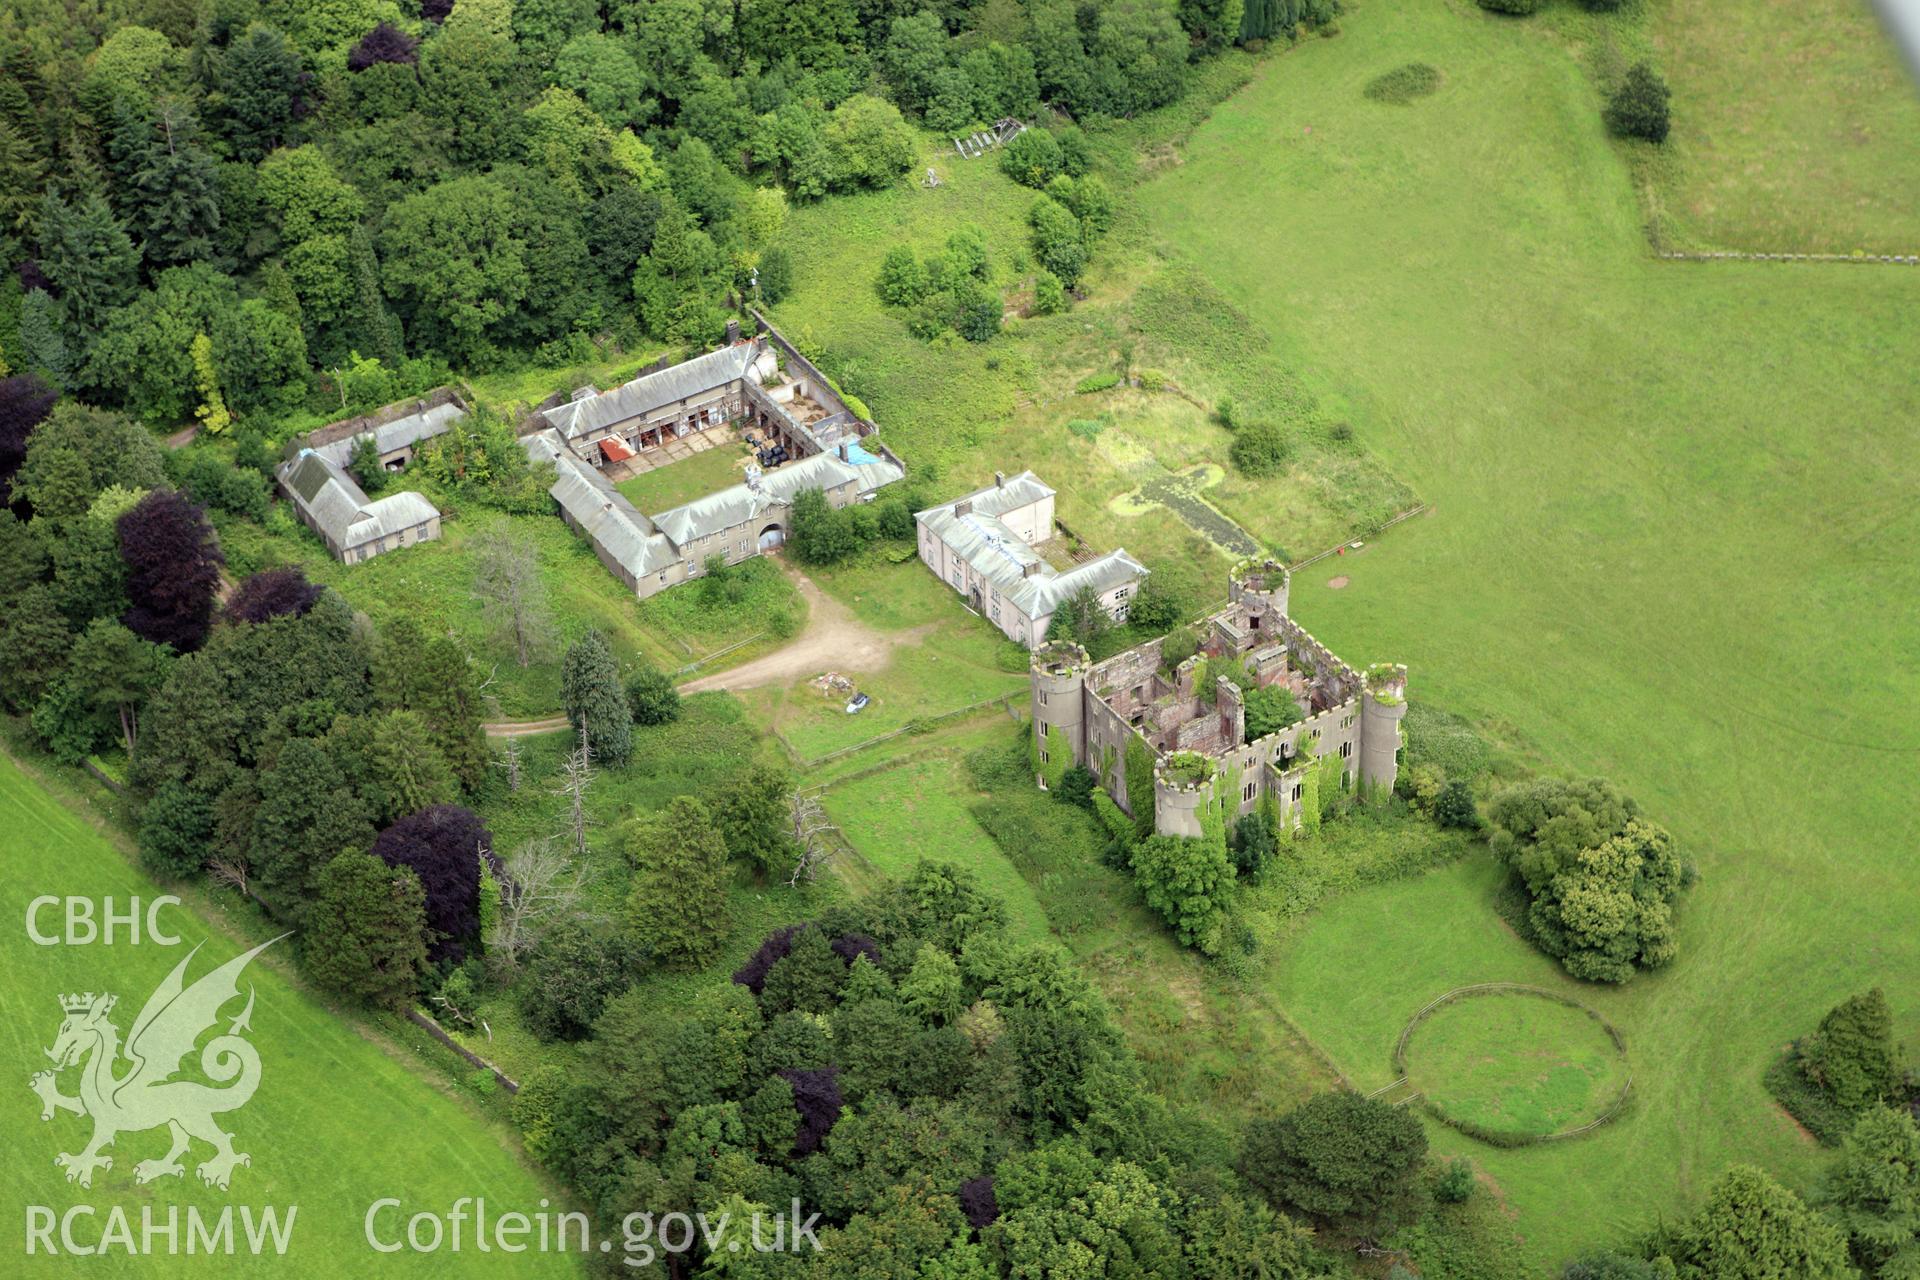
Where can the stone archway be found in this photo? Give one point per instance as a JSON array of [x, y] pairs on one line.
[[772, 538]]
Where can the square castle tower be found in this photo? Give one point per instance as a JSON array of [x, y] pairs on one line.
[[1132, 713]]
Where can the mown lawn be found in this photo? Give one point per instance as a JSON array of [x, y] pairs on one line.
[[1673, 543], [679, 483], [1793, 127], [340, 1119], [1515, 1063]]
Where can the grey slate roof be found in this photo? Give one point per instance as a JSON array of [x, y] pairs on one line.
[[996, 553], [341, 508], [399, 433], [999, 498], [645, 394], [1041, 594], [602, 511], [742, 503]]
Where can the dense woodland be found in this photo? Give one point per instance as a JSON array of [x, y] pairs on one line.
[[211, 209], [232, 213]]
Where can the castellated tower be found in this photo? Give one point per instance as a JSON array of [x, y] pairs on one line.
[[1261, 585], [1057, 675], [1383, 703], [1180, 804]]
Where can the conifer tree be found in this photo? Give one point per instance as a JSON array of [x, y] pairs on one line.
[[595, 702], [257, 92], [307, 815], [677, 908], [86, 253], [368, 938], [174, 203]]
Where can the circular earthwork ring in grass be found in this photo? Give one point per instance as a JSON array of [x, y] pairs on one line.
[[1512, 1065]]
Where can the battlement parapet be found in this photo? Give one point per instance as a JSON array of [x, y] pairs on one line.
[[1060, 658]]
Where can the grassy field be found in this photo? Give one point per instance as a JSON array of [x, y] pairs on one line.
[[433, 584], [1674, 542], [1515, 1063], [679, 483], [1793, 128], [920, 809], [945, 659], [325, 1087], [958, 412]]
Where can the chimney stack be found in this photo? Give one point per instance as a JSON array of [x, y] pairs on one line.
[[999, 479], [1030, 568], [963, 507], [733, 332]]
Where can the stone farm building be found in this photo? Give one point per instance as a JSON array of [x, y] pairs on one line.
[[982, 545], [1129, 713], [760, 384], [329, 501]]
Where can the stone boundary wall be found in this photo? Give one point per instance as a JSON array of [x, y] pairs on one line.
[[337, 431], [438, 1032], [806, 366], [1873, 259]]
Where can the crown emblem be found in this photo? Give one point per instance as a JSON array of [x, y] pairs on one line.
[[77, 1003]]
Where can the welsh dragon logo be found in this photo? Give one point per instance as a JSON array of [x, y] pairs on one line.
[[147, 1096]]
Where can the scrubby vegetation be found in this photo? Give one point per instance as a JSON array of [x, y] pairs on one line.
[[1846, 1068], [1602, 878], [1404, 84]]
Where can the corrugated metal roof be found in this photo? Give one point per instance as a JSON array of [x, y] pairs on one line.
[[397, 434], [644, 394]]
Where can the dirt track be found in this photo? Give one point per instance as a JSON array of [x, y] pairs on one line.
[[524, 728], [833, 640]]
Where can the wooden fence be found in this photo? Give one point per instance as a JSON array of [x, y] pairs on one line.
[[1334, 550]]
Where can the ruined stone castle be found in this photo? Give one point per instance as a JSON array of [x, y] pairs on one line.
[[1131, 712]]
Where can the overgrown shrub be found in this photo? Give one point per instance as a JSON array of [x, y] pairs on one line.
[[1096, 382], [574, 971], [1602, 879], [1261, 449], [1454, 1184], [1454, 806], [1033, 158], [1519, 7], [1187, 883], [1403, 84], [1049, 295], [1639, 107]]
